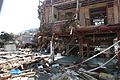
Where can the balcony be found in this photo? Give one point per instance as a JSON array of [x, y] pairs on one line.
[[84, 2], [59, 26], [62, 1]]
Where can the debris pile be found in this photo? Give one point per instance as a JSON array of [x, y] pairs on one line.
[[59, 71], [20, 66], [62, 73]]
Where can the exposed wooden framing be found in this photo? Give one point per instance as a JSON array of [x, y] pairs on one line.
[[99, 43], [100, 39], [116, 12], [118, 36], [81, 47], [77, 9], [100, 33], [119, 9], [52, 11], [106, 28], [67, 2], [66, 6], [88, 49], [91, 2], [84, 3], [113, 16], [52, 50]]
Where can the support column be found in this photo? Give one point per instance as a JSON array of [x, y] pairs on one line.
[[52, 11], [88, 50], [118, 57], [81, 48], [52, 50], [118, 36]]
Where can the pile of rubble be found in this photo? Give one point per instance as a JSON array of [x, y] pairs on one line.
[[57, 72], [73, 71], [30, 67]]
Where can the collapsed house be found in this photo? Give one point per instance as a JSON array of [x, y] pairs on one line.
[[86, 28], [83, 28], [80, 27]]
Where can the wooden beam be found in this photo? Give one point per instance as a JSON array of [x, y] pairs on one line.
[[91, 2], [88, 49], [118, 36], [81, 47], [63, 3]]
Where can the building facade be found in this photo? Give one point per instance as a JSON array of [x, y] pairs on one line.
[[81, 24], [88, 12]]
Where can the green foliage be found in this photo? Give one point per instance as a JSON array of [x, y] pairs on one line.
[[6, 37]]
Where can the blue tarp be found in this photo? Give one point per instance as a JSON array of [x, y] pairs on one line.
[[15, 72]]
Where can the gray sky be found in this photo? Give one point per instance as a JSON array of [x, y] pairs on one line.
[[19, 15]]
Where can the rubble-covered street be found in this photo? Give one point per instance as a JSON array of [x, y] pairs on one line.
[[74, 40], [19, 66]]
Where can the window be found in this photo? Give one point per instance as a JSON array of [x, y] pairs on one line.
[[98, 21], [55, 16], [68, 15], [48, 1], [98, 16]]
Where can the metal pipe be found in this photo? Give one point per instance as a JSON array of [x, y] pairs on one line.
[[101, 52], [104, 63]]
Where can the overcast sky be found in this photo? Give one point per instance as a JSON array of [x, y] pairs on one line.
[[19, 15]]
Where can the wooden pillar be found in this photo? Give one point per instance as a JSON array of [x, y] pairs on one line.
[[77, 9], [81, 48], [88, 50], [118, 57], [119, 9], [116, 11], [52, 50], [52, 11], [118, 36]]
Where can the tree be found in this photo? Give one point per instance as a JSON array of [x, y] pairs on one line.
[[6, 37]]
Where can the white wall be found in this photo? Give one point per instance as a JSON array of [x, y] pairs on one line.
[[10, 47]]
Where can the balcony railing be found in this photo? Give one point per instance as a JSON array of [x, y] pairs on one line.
[[84, 2], [61, 1]]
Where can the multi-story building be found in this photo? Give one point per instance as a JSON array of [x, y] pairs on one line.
[[26, 38], [83, 23]]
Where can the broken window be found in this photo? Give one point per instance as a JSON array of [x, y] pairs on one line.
[[98, 16], [98, 21], [55, 16]]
